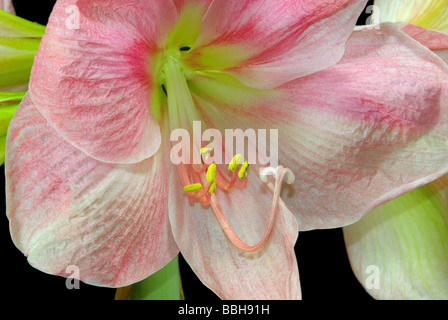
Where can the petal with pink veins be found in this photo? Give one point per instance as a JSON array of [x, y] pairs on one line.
[[434, 40], [92, 77], [267, 43], [355, 135], [66, 208]]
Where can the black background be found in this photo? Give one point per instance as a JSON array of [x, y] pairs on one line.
[[325, 271]]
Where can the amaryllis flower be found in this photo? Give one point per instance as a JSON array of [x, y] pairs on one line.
[[90, 182], [407, 239]]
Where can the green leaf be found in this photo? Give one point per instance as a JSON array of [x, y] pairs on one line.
[[162, 285], [16, 60], [19, 41], [9, 101], [13, 26]]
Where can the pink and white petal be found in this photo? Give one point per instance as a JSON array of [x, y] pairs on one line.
[[7, 6], [92, 77], [434, 40], [268, 43], [428, 14], [357, 134], [377, 132], [67, 209], [270, 273], [400, 249]]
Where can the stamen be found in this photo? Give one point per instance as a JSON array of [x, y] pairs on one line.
[[193, 187], [223, 183], [211, 173], [203, 194], [236, 160], [212, 188], [206, 181], [184, 175], [206, 151], [243, 171]]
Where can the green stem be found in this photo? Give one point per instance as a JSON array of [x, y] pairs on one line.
[[162, 285]]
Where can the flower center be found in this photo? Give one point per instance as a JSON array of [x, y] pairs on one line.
[[203, 181]]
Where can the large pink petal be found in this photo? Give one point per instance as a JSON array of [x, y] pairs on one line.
[[66, 208], [92, 77], [271, 273], [356, 135], [267, 43]]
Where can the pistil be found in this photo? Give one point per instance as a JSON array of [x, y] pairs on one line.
[[181, 108]]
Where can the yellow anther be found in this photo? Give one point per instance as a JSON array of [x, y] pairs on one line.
[[243, 171], [206, 151], [212, 188], [236, 160], [193, 187], [211, 172]]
